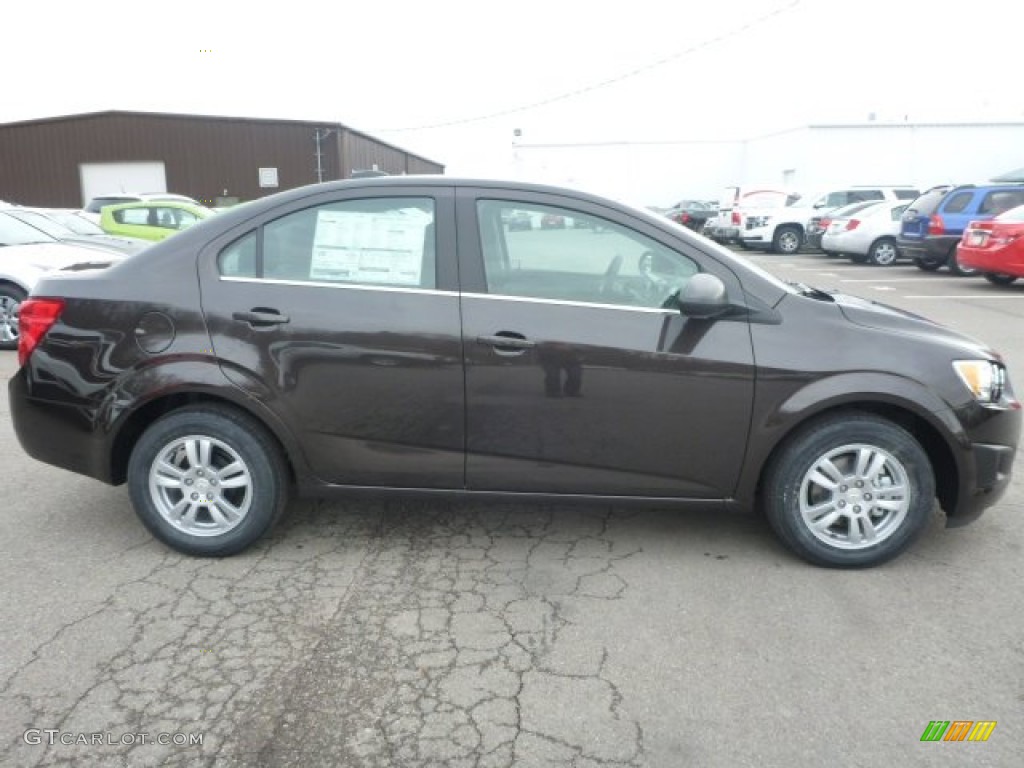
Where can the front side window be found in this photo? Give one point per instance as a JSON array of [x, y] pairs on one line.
[[569, 256], [372, 241]]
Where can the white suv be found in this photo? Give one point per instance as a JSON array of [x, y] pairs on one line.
[[784, 230]]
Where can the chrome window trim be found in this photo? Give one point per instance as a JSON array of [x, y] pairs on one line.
[[437, 292], [567, 303], [346, 286]]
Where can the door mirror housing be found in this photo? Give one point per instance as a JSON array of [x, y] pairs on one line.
[[703, 297]]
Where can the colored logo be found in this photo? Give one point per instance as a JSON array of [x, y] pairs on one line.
[[958, 730]]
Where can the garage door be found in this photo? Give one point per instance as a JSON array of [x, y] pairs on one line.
[[107, 178]]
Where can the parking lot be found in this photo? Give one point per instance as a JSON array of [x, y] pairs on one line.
[[437, 633]]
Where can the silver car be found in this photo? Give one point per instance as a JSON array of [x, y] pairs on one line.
[[868, 235]]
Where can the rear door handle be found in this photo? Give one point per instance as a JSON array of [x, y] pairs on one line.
[[507, 342], [261, 316]]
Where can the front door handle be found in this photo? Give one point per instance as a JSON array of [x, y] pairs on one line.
[[507, 342], [261, 316]]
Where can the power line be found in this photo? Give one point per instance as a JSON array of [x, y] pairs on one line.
[[734, 32]]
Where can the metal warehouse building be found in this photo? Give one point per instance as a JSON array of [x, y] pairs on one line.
[[65, 161]]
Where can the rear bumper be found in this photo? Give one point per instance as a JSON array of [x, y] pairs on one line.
[[1003, 261], [932, 248], [60, 434]]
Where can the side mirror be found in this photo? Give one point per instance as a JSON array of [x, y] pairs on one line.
[[703, 297]]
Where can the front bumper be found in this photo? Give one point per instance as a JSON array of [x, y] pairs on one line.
[[986, 462]]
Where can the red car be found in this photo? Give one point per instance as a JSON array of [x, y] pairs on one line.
[[996, 247]]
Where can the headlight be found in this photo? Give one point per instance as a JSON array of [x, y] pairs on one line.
[[986, 380]]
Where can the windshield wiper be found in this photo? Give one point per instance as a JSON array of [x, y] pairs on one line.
[[810, 291]]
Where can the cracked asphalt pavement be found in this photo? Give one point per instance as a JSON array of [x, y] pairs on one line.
[[484, 635]]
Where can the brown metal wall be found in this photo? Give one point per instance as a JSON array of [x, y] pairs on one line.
[[202, 156]]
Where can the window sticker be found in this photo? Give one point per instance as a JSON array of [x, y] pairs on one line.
[[355, 246]]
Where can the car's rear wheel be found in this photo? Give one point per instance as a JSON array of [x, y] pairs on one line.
[[999, 279], [207, 481], [928, 263], [787, 240], [10, 299], [851, 490], [883, 252]]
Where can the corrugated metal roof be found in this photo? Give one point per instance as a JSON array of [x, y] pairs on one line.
[[313, 124]]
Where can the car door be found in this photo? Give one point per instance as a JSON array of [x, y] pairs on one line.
[[340, 313], [578, 381]]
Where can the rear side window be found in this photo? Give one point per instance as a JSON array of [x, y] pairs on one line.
[[239, 258], [372, 241], [863, 195], [906, 194], [1000, 201], [958, 202]]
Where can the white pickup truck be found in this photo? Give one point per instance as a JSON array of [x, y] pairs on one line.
[[725, 226], [784, 229]]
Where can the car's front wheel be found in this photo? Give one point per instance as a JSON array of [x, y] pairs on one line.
[[10, 299], [928, 263], [851, 490], [207, 481], [787, 240]]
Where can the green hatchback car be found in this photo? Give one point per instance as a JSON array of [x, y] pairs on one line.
[[154, 220]]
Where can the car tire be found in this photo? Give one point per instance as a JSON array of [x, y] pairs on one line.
[[956, 269], [172, 477], [928, 264], [859, 258], [11, 297], [787, 240], [833, 526], [997, 278], [883, 252]]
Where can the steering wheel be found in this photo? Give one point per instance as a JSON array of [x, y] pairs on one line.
[[608, 281]]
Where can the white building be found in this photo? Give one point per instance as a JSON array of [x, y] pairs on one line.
[[805, 159]]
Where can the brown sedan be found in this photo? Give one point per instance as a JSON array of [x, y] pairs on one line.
[[398, 335]]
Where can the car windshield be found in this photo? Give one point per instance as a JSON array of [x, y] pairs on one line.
[[74, 222], [16, 232], [41, 222], [1014, 214]]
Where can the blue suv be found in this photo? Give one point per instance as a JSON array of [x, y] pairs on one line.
[[932, 225]]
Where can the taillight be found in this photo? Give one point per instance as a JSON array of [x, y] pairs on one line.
[[736, 218], [936, 226], [684, 218], [852, 224], [824, 224], [35, 318]]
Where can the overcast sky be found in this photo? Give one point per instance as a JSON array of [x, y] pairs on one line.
[[453, 79]]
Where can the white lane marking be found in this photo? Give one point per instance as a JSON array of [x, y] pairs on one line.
[[886, 279], [981, 296], [883, 288]]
